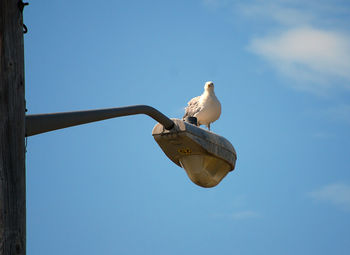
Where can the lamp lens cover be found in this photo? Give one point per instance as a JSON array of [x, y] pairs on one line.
[[205, 170]]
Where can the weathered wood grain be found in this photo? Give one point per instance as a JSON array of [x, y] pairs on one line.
[[12, 116]]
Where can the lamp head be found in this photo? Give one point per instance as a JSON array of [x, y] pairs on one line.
[[206, 157]]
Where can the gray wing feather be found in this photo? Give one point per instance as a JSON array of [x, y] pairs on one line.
[[192, 107]]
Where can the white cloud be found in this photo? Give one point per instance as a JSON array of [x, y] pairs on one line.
[[337, 194], [305, 41], [307, 54]]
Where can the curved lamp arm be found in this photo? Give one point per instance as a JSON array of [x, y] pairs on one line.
[[41, 123]]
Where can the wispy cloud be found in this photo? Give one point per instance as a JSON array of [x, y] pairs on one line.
[[306, 41], [308, 54], [337, 194]]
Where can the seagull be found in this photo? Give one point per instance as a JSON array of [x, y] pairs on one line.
[[206, 107]]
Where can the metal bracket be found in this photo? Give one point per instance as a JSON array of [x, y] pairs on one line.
[[21, 6], [41, 123]]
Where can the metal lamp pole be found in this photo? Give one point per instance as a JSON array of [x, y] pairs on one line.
[[41, 123]]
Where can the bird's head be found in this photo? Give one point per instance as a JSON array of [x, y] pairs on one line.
[[209, 86]]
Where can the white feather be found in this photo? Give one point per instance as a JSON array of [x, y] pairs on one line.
[[206, 108]]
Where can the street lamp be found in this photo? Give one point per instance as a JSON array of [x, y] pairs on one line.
[[206, 157]]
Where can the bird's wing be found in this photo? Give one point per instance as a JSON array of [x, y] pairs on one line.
[[192, 107]]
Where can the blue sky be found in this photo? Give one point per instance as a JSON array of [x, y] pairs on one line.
[[282, 73]]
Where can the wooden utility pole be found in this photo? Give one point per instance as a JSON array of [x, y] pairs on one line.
[[12, 117]]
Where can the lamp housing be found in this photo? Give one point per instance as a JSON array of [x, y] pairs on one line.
[[206, 157]]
